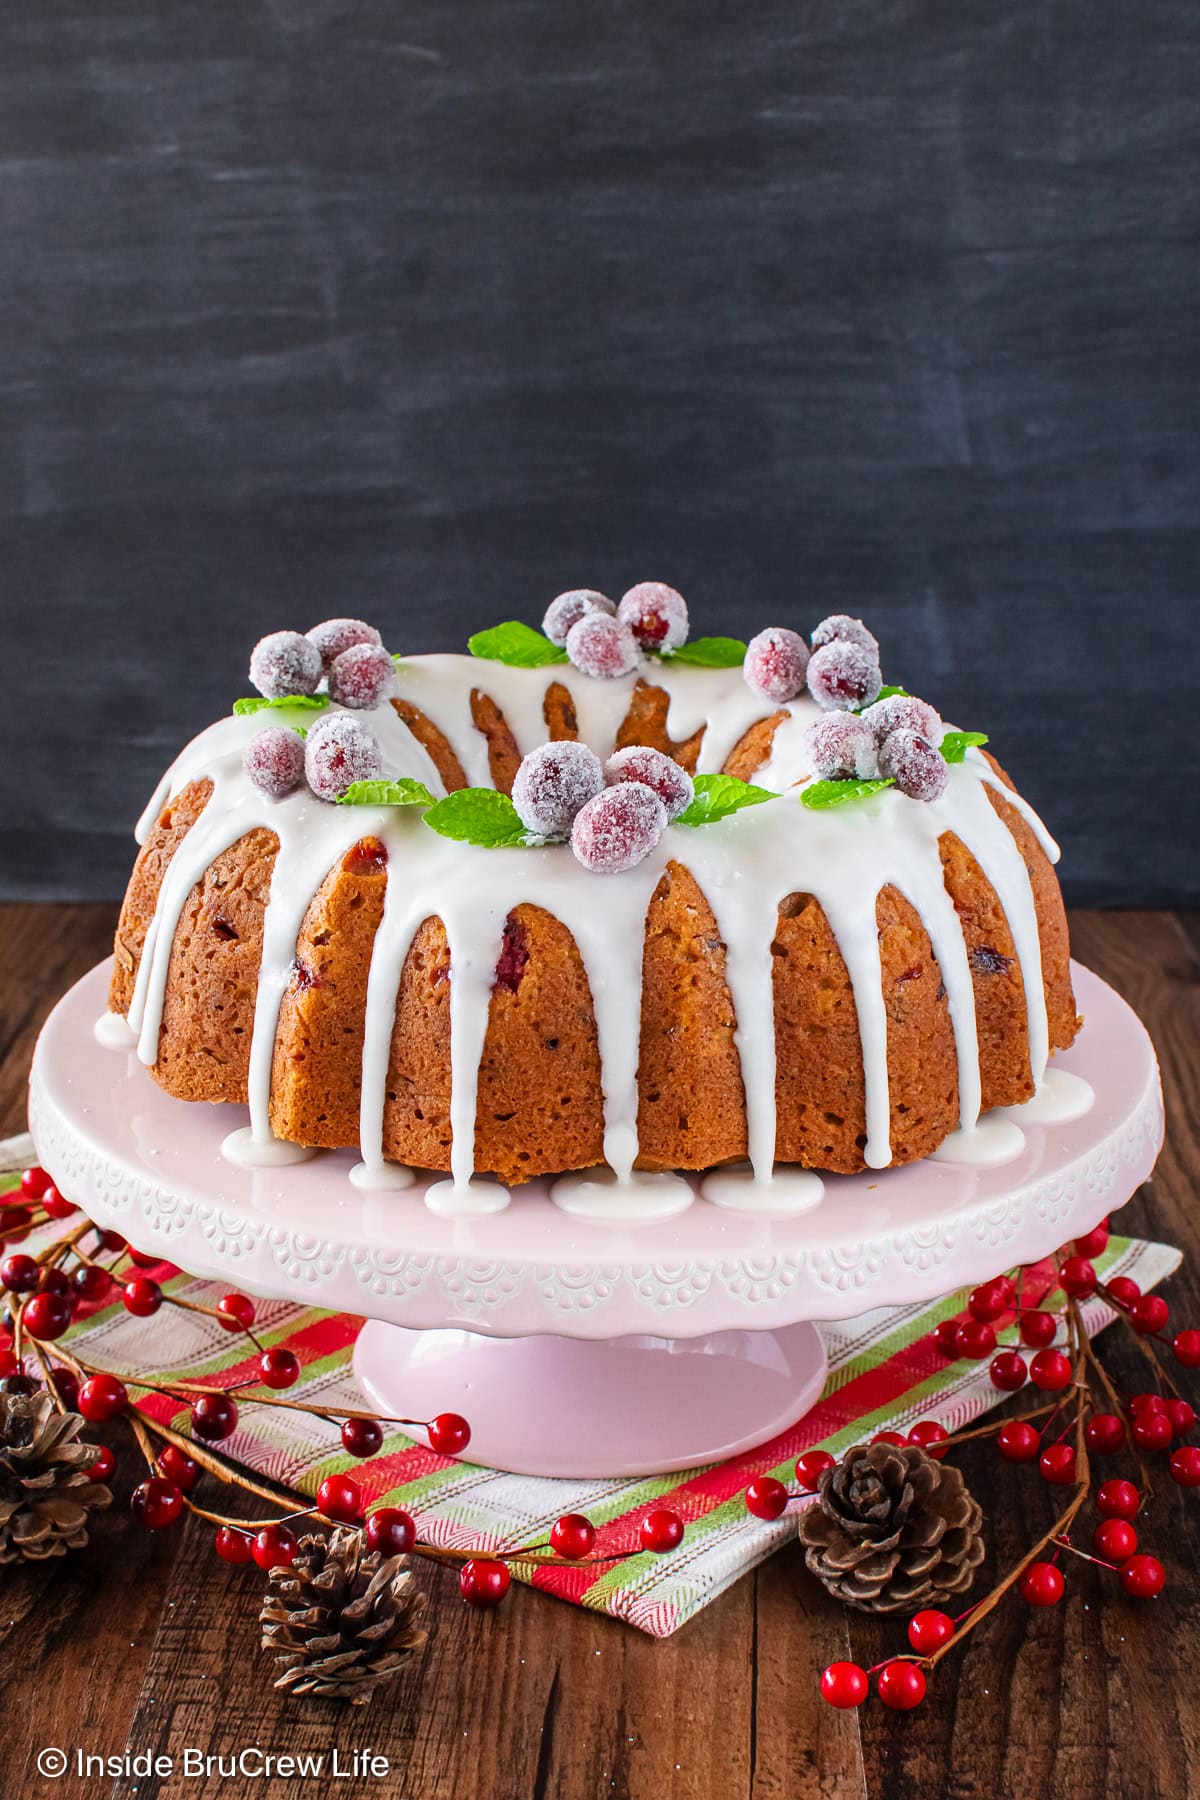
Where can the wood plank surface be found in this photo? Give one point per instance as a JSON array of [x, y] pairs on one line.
[[151, 1644]]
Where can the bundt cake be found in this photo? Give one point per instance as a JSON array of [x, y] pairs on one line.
[[791, 920]]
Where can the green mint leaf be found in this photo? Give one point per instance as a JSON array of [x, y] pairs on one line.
[[480, 816], [719, 796], [955, 744], [710, 653], [405, 792], [822, 794], [517, 645], [304, 702]]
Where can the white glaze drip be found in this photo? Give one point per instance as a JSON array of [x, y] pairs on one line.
[[114, 1032], [745, 868], [466, 1199], [389, 1178], [789, 1191], [990, 1144], [1061, 1098], [248, 1151], [599, 1194]]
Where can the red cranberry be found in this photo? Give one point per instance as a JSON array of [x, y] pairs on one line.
[[1050, 1370], [368, 857], [1008, 1371], [946, 1339], [776, 664], [142, 1297], [34, 1182], [1078, 1277], [1104, 1434], [1149, 1314], [275, 1547], [766, 1497], [390, 1530], [340, 1498], [1143, 1577], [449, 1434], [901, 1685], [1094, 1242], [844, 1685], [842, 628], [904, 712], [1182, 1415], [104, 1465], [573, 1536], [1124, 1290], [1151, 1431], [1117, 1500], [214, 1417], [1038, 1328], [178, 1467], [811, 1466], [928, 1631], [1186, 1346], [661, 1531], [234, 1546], [975, 1339], [1115, 1540], [56, 1205], [101, 1398], [278, 1368], [361, 1437], [483, 1582], [19, 1273], [338, 752], [66, 1386], [1042, 1584], [930, 1436], [90, 1281], [54, 1281], [841, 747], [47, 1316], [1017, 1441], [1185, 1465], [235, 1312], [916, 766], [156, 1503], [889, 1437], [1057, 1464], [990, 1299]]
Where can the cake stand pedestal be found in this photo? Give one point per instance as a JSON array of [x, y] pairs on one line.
[[577, 1347]]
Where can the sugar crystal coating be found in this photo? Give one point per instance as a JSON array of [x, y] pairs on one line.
[[285, 663], [339, 752], [656, 614], [916, 766], [619, 828], [776, 664], [362, 676], [602, 646], [638, 762], [843, 674], [333, 636], [567, 609], [274, 761], [842, 628], [904, 712], [551, 785], [842, 748]]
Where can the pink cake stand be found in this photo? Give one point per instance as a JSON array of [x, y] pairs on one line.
[[582, 1348]]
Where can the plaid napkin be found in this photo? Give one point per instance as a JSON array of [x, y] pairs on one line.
[[884, 1373]]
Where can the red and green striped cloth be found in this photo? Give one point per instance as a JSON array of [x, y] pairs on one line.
[[884, 1373]]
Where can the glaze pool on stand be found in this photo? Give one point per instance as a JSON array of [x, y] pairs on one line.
[[711, 1311]]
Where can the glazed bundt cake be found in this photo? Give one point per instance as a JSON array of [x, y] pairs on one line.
[[600, 894]]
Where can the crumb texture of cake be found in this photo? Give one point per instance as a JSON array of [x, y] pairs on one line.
[[838, 989]]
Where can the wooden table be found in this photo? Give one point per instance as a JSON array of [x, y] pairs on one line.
[[145, 1642]]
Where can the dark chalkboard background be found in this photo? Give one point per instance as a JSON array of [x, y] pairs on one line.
[[424, 311]]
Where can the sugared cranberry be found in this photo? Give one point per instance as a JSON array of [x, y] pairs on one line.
[[362, 677], [390, 1530], [275, 1547], [274, 761], [285, 663], [214, 1417], [914, 764], [766, 1498], [235, 1312], [483, 1582], [279, 1368], [843, 676], [904, 712], [47, 1316], [618, 828], [656, 615], [156, 1503], [234, 1546], [1042, 1584], [449, 1434], [551, 785], [567, 609], [638, 762], [841, 628], [361, 1437], [1117, 1500], [572, 1537], [101, 1398], [776, 664], [335, 636], [841, 747], [1050, 1370], [1115, 1540], [340, 1498], [602, 647], [1104, 1434], [338, 752]]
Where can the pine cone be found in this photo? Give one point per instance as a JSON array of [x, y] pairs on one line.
[[45, 1494], [344, 1621], [892, 1529]]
